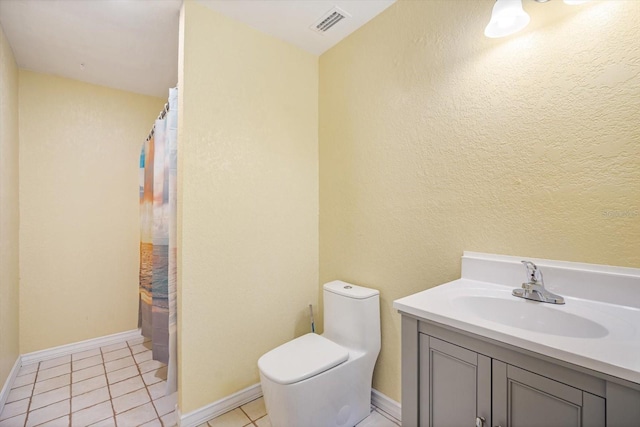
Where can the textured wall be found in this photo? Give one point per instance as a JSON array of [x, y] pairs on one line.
[[435, 139], [248, 185], [9, 221], [79, 218]]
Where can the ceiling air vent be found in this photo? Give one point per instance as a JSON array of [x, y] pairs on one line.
[[329, 19]]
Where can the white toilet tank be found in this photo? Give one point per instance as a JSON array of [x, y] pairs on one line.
[[352, 316]]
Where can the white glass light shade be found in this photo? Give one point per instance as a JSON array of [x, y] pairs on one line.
[[508, 17]]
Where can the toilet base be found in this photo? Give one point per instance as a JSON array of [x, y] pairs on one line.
[[339, 397]]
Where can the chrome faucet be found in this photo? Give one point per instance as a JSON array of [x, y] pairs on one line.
[[534, 288]]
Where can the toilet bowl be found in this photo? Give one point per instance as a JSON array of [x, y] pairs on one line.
[[325, 380]]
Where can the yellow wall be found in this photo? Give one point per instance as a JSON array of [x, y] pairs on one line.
[[79, 238], [9, 222], [248, 197], [435, 139]]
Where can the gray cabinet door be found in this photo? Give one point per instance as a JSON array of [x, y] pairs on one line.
[[455, 385], [524, 399]]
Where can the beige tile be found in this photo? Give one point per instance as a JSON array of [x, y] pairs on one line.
[[14, 408], [45, 374], [137, 416], [155, 376], [130, 400], [92, 415], [162, 373], [263, 422], [89, 399], [126, 386], [139, 348], [255, 409], [51, 384], [28, 369], [157, 390], [85, 354], [122, 374], [376, 420], [387, 416], [55, 362], [113, 347], [20, 393], [88, 385], [170, 420], [152, 423], [143, 356], [109, 422], [87, 362], [48, 413], [166, 404], [119, 364], [17, 421], [58, 422], [136, 341], [115, 355], [47, 398], [87, 373], [24, 380], [235, 418], [150, 365]]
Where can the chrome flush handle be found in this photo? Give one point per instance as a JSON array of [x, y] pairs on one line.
[[480, 421]]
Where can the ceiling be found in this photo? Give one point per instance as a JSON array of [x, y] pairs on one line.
[[289, 20], [133, 44], [128, 44]]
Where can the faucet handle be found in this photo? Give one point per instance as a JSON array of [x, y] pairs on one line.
[[534, 276]]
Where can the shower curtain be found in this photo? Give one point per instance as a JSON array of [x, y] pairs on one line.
[[158, 196]]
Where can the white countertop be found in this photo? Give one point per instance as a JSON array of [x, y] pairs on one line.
[[601, 336]]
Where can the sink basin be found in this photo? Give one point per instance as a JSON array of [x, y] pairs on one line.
[[530, 315]]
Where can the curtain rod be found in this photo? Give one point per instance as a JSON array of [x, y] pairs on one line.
[[161, 116]]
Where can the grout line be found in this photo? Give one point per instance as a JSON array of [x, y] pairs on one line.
[[135, 363], [113, 410], [245, 414], [258, 419], [31, 396]]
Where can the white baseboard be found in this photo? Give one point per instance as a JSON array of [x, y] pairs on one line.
[[386, 404], [4, 393], [226, 404], [63, 350]]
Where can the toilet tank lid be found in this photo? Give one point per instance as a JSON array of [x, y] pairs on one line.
[[348, 290], [301, 358]]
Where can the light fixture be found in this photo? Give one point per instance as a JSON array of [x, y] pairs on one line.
[[508, 17]]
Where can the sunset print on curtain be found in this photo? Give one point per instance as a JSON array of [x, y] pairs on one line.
[[157, 235]]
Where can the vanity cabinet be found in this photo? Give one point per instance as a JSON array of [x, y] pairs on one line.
[[451, 378]]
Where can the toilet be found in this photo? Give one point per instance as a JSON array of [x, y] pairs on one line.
[[325, 380]]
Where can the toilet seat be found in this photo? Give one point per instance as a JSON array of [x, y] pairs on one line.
[[302, 358]]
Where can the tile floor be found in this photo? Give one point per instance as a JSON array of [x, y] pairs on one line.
[[117, 385], [255, 414]]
